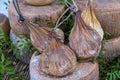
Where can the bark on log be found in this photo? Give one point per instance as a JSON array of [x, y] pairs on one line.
[[108, 13], [112, 48], [4, 24], [83, 71], [40, 14]]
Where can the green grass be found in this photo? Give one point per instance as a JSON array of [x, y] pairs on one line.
[[109, 68], [24, 46]]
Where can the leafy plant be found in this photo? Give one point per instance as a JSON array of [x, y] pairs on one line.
[[23, 46], [107, 35], [4, 42], [60, 2], [109, 68], [50, 22], [5, 67], [7, 4], [114, 75], [17, 77], [67, 26], [5, 47]]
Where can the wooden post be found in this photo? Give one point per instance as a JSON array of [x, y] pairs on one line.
[[83, 71], [41, 14], [4, 24]]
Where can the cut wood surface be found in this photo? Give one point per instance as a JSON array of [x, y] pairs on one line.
[[83, 71], [4, 24], [41, 14], [108, 13]]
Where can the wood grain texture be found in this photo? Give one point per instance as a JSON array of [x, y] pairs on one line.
[[43, 14], [112, 48], [4, 24], [83, 71], [108, 13]]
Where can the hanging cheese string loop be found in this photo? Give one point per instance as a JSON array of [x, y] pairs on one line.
[[67, 3], [76, 7], [73, 7], [16, 5], [57, 23], [72, 4]]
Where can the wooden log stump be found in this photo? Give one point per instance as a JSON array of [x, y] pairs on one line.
[[83, 71], [4, 24], [112, 48], [25, 57], [38, 14], [108, 13]]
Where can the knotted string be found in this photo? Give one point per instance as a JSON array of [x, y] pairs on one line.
[[58, 23], [69, 7]]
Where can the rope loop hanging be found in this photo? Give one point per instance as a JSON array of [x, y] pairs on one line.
[[69, 7], [58, 23], [16, 5]]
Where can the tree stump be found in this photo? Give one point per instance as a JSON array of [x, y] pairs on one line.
[[38, 14], [4, 24], [112, 48], [83, 71], [108, 13]]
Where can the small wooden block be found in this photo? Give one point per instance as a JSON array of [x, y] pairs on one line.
[[4, 24], [83, 71], [43, 14]]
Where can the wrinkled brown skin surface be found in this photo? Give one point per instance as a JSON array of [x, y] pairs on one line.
[[84, 40], [41, 36], [58, 59], [89, 17]]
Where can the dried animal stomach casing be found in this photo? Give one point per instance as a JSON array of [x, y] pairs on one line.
[[57, 59], [84, 40], [88, 15], [41, 36]]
